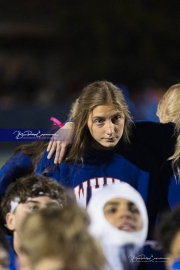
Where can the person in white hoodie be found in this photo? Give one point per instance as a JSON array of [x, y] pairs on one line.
[[119, 220]]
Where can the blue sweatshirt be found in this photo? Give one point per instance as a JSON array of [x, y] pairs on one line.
[[133, 164], [12, 254], [17, 166]]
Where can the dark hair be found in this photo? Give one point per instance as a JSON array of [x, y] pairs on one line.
[[168, 228], [32, 186]]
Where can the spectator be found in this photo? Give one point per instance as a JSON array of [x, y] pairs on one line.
[[23, 197], [100, 153], [168, 234]]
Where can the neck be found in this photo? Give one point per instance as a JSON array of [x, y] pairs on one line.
[[98, 146], [22, 258], [16, 243]]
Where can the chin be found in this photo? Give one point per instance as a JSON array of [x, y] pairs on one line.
[[109, 147], [105, 146]]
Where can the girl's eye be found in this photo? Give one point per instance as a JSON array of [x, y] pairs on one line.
[[116, 118], [98, 121]]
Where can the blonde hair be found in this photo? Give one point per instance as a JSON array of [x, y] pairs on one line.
[[169, 105], [95, 94], [176, 156], [63, 234]]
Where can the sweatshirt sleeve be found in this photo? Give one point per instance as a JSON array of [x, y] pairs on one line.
[[159, 138], [45, 166], [16, 167]]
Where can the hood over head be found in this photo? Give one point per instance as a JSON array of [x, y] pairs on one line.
[[102, 229]]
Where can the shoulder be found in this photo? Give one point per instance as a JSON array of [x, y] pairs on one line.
[[45, 161], [49, 168], [156, 126], [20, 159], [159, 138], [17, 166], [153, 129], [137, 154]]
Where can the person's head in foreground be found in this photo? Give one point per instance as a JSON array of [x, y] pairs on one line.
[[4, 256], [118, 218], [58, 239], [118, 214], [168, 106], [168, 234], [101, 119], [27, 195]]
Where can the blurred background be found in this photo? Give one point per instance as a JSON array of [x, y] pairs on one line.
[[50, 49]]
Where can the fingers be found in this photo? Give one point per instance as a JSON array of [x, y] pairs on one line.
[[49, 145], [58, 152], [52, 150], [60, 149], [64, 147], [59, 143]]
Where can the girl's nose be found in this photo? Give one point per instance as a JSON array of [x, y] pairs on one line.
[[110, 128]]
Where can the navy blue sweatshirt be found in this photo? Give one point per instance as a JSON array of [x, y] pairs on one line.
[[133, 164]]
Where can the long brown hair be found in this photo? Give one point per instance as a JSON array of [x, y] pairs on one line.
[[95, 94]]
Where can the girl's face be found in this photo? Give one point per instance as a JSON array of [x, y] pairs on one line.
[[123, 214], [106, 125]]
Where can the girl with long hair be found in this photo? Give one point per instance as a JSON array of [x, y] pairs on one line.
[[101, 152]]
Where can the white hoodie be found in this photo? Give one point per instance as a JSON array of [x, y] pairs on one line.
[[117, 244]]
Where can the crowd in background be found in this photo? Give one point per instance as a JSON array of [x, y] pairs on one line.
[[24, 81]]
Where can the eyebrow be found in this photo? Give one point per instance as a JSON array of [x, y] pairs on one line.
[[53, 203], [96, 116], [32, 201], [111, 203], [117, 203]]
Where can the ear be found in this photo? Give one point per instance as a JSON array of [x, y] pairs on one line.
[[10, 221]]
